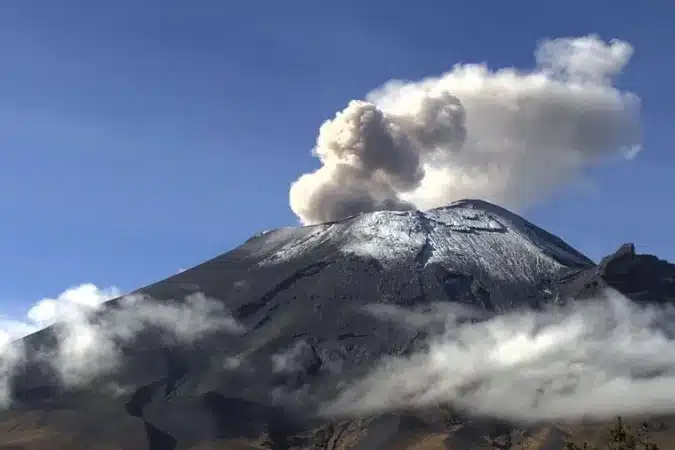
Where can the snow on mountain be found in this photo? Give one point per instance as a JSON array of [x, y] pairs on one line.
[[474, 237]]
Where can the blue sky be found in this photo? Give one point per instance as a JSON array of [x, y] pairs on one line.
[[140, 137]]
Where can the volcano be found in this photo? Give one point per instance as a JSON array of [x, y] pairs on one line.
[[297, 296]]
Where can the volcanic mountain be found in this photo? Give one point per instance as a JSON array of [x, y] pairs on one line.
[[286, 328]]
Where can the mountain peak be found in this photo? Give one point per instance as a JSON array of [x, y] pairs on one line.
[[310, 305], [469, 237]]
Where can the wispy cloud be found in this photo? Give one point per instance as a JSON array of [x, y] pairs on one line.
[[71, 303], [90, 345], [89, 339], [593, 359]]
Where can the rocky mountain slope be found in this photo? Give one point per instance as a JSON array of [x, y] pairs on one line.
[[298, 299]]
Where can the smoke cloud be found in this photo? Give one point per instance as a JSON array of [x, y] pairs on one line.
[[89, 342], [592, 359], [507, 136]]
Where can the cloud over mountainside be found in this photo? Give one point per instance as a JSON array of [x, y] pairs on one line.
[[89, 344], [587, 359], [507, 136], [593, 358], [69, 304]]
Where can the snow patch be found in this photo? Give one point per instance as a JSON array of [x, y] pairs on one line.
[[471, 236]]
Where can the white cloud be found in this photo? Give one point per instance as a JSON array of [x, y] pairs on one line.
[[89, 343], [508, 136], [584, 59], [70, 304], [70, 307], [14, 329], [233, 362], [297, 357], [11, 354], [424, 316], [590, 359]]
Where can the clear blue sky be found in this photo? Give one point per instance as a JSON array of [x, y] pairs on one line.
[[140, 137]]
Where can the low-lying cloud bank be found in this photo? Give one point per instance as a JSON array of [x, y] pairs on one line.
[[506, 135], [592, 359], [89, 342]]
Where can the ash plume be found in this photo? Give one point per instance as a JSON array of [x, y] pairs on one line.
[[507, 136]]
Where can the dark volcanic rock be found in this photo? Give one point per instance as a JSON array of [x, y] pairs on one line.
[[300, 294], [642, 278]]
